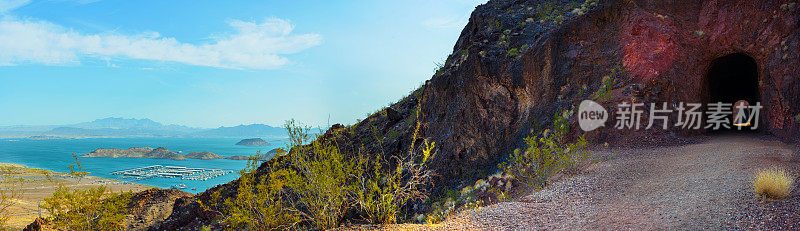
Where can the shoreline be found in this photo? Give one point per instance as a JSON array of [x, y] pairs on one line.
[[38, 184]]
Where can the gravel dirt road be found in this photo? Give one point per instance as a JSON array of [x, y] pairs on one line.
[[704, 186]]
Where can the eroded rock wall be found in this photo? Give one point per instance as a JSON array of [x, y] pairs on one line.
[[486, 100]]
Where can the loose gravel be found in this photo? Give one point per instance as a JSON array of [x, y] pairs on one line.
[[705, 186]]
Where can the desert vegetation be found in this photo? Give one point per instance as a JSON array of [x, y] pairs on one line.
[[543, 156], [12, 180], [554, 13], [317, 184], [10, 190], [608, 83], [773, 183], [93, 208], [547, 155]]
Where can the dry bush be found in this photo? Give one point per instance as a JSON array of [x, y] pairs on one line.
[[10, 190], [96, 208], [315, 184], [773, 183]]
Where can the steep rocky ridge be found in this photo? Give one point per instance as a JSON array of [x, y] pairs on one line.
[[511, 71], [486, 100]]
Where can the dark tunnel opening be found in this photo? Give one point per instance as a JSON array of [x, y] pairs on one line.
[[731, 79]]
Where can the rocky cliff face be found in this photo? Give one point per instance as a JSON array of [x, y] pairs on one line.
[[516, 65], [486, 98]]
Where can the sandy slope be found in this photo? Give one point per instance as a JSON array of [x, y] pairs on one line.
[[36, 187], [690, 187]]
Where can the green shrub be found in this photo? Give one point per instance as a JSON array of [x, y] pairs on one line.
[[96, 208], [450, 207], [545, 156], [553, 13], [257, 204], [604, 92], [76, 170], [320, 179], [315, 184], [513, 52], [381, 193], [607, 84], [549, 12], [542, 158]]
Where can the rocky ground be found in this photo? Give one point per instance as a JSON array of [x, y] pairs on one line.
[[151, 206], [689, 187]]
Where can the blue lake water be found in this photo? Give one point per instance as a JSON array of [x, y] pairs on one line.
[[56, 155]]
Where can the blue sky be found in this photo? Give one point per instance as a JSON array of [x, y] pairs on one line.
[[217, 63]]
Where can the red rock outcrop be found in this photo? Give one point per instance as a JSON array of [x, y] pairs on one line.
[[514, 67], [486, 100]]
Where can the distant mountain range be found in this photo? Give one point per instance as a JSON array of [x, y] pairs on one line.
[[124, 128], [237, 131]]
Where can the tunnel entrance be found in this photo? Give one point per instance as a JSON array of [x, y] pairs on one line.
[[731, 79]]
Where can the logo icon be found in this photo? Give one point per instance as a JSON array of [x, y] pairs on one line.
[[591, 115]]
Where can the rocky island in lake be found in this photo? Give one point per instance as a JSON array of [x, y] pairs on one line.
[[206, 155], [148, 152], [253, 142]]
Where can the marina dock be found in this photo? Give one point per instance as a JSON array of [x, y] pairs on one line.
[[171, 172]]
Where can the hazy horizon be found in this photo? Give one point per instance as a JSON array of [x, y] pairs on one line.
[[12, 125], [208, 65]]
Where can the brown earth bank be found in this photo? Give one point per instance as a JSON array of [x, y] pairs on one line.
[[515, 66], [704, 186]]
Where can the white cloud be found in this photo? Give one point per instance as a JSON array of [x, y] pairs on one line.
[[8, 5], [252, 45]]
